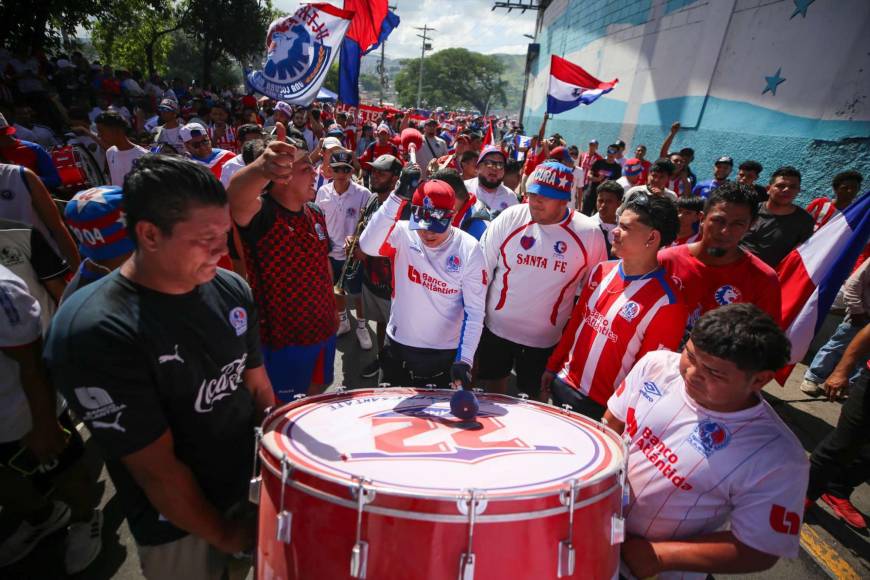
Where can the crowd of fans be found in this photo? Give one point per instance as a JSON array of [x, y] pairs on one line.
[[207, 269]]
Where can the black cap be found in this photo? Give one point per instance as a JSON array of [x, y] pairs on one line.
[[387, 162], [726, 160], [340, 158]]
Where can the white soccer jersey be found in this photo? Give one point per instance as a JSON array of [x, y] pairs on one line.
[[342, 213], [496, 202], [438, 293], [693, 471], [536, 271]]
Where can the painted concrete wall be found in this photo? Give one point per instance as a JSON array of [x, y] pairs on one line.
[[705, 63]]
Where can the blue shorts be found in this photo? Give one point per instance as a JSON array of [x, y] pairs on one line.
[[293, 369], [353, 282]]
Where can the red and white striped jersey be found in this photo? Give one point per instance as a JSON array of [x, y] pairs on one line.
[[438, 293], [216, 160], [691, 238], [536, 271], [822, 209], [617, 320], [226, 141], [693, 471]]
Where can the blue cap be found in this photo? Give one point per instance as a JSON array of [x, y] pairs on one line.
[[97, 221], [551, 179]]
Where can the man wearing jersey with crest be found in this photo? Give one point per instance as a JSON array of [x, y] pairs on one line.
[[716, 479], [628, 307], [537, 255], [436, 315]]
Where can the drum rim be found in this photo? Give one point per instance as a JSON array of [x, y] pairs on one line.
[[277, 414]]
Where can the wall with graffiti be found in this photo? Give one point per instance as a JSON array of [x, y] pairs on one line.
[[778, 81]]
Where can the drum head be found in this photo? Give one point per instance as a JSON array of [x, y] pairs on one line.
[[407, 441]]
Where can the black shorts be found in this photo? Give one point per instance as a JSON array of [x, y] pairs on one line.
[[18, 458], [409, 366], [564, 394], [497, 356]]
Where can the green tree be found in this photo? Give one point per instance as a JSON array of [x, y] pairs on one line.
[[27, 26], [453, 78]]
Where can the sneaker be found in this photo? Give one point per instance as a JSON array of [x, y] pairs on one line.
[[362, 334], [343, 327], [28, 535], [83, 543], [811, 388], [371, 370], [844, 510]]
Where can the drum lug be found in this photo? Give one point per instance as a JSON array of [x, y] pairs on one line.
[[359, 554], [285, 517], [523, 396], [566, 407], [358, 559], [466, 567], [256, 480], [476, 390], [617, 530], [340, 389], [567, 558], [299, 396]]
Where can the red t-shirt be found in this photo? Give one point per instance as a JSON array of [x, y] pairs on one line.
[[532, 161], [707, 287], [375, 150]]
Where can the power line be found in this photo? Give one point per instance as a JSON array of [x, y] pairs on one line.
[[425, 46]]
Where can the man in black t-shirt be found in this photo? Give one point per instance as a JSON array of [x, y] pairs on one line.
[[161, 360], [601, 171]]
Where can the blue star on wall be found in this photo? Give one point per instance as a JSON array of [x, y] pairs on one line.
[[773, 82], [801, 7]]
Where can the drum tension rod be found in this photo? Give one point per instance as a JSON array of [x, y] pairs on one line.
[[256, 480], [617, 522], [466, 561], [285, 517], [359, 555], [567, 554]]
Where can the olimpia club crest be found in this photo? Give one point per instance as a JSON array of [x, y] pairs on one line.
[[299, 52]]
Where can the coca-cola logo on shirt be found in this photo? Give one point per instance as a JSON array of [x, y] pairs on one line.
[[213, 390]]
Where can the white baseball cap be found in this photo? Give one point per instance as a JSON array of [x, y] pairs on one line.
[[192, 130], [331, 143]]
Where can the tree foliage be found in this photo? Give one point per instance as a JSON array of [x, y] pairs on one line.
[[36, 25], [453, 78]]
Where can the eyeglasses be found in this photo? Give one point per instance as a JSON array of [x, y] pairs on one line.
[[421, 213], [493, 164]]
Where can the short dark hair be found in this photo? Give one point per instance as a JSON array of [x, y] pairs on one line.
[[845, 176], [736, 193], [687, 151], [247, 129], [452, 178], [751, 165], [786, 171], [512, 166], [252, 149], [161, 188], [468, 156], [611, 187], [691, 203], [743, 334], [659, 213], [663, 165], [111, 119]]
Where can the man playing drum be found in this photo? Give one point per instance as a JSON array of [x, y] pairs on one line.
[[717, 480], [436, 315]]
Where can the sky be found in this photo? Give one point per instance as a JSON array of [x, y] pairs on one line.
[[458, 23]]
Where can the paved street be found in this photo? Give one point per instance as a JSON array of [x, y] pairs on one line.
[[830, 548]]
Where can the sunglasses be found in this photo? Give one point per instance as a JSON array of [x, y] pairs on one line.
[[199, 143], [341, 169], [493, 164], [421, 213]]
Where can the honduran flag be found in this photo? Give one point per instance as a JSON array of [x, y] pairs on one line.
[[812, 274], [571, 86], [371, 25]]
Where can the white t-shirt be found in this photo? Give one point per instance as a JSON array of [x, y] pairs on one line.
[[495, 201], [121, 162], [16, 203], [535, 272], [693, 471], [172, 137], [342, 212], [596, 218], [19, 326], [425, 153], [438, 293]]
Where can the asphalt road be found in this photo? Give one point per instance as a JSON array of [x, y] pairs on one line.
[[829, 547]]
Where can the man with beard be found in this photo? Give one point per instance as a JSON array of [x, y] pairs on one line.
[[377, 283], [487, 186], [715, 270]]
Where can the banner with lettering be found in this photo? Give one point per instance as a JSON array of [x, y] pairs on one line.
[[299, 51]]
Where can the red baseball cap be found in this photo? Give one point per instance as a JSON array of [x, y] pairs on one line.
[[432, 206]]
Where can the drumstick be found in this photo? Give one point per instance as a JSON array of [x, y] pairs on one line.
[[412, 153]]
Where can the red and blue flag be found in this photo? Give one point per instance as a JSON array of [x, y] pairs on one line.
[[571, 86], [372, 23]]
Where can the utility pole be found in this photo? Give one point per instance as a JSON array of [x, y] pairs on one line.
[[426, 46], [381, 67]]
